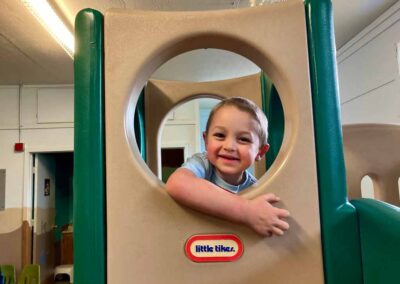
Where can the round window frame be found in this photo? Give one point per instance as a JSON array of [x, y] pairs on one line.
[[251, 52]]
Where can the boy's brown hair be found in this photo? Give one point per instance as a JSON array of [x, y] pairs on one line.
[[251, 108]]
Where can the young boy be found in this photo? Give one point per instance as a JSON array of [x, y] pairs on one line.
[[235, 137]]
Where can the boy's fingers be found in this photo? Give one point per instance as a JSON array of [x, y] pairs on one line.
[[277, 231], [282, 225], [283, 213]]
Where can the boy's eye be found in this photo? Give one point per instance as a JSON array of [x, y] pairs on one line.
[[244, 140], [219, 135]]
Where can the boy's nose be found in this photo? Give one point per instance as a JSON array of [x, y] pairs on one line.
[[229, 145]]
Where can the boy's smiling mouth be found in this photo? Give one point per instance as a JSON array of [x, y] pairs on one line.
[[228, 157]]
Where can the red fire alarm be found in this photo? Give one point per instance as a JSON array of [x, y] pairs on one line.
[[19, 147]]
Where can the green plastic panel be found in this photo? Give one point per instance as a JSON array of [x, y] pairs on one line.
[[380, 240], [89, 176], [340, 237], [273, 109], [140, 133]]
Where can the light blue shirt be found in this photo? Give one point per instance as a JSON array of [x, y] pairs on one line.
[[202, 168]]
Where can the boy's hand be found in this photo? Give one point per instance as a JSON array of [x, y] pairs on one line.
[[264, 218]]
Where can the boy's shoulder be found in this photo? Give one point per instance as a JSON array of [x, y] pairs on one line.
[[250, 179], [198, 164], [198, 158]]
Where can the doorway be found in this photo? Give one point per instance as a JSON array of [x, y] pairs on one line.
[[52, 212], [171, 159]]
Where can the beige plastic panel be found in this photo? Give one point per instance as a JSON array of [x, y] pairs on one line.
[[163, 95], [146, 229], [373, 149]]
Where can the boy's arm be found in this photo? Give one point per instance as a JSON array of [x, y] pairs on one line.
[[208, 198]]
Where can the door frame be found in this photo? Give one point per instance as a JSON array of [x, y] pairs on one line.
[[27, 249]]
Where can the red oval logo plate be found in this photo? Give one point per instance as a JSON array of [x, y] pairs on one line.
[[214, 248]]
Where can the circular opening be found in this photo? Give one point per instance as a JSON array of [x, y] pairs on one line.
[[174, 106]]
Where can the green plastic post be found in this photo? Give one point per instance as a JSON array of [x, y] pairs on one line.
[[89, 179], [340, 237]]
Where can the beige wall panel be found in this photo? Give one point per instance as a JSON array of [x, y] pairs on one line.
[[10, 220], [10, 248], [146, 229]]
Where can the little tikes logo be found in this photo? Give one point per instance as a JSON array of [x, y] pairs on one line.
[[214, 248]]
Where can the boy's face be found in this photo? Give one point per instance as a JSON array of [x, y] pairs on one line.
[[232, 143]]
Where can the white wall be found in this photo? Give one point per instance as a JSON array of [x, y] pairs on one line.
[[42, 118], [368, 69], [13, 163], [181, 129]]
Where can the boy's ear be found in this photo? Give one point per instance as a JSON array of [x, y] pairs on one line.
[[204, 138], [262, 151]]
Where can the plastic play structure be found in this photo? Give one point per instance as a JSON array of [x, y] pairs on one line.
[[128, 230], [372, 149]]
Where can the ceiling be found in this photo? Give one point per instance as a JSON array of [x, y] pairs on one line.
[[29, 55]]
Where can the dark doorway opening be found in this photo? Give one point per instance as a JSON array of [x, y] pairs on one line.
[[171, 159]]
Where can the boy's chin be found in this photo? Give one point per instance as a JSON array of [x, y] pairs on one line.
[[230, 174], [231, 170]]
